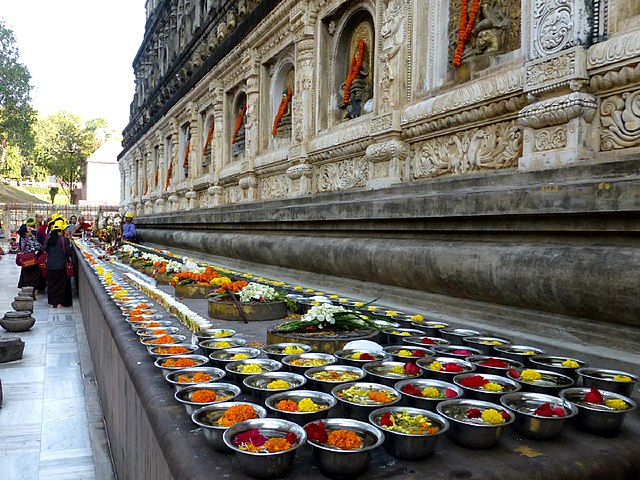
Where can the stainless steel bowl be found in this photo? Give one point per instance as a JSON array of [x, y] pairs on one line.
[[424, 341], [276, 350], [522, 353], [162, 323], [289, 361], [258, 384], [396, 338], [445, 376], [395, 350], [455, 335], [200, 361], [212, 334], [472, 433], [211, 345], [430, 327], [554, 363], [225, 392], [361, 411], [485, 343], [235, 369], [151, 340], [337, 463], [604, 379], [155, 332], [528, 424], [207, 417], [405, 445], [550, 383], [173, 377], [427, 403], [156, 350], [457, 351], [381, 372], [265, 465], [598, 419], [507, 384], [324, 400], [327, 384], [345, 356], [221, 358], [480, 362]]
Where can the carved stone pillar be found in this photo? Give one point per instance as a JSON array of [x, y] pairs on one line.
[[249, 186], [386, 162], [217, 144], [391, 73], [558, 128], [300, 176], [215, 192], [252, 115]]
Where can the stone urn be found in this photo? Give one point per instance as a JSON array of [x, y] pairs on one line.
[[17, 321], [193, 291], [28, 292], [164, 278], [22, 303], [254, 311]]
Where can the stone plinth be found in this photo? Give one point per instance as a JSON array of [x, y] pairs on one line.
[[192, 291], [254, 311]]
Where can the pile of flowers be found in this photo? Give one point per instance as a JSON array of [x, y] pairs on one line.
[[404, 422], [546, 410], [595, 397], [304, 405], [237, 413], [327, 315], [446, 367], [367, 396], [407, 370], [179, 362], [337, 376], [364, 356], [341, 439], [409, 353], [197, 277], [478, 382], [278, 385], [429, 392], [255, 442], [489, 416], [198, 377]]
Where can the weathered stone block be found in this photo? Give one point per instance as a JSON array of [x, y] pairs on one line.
[[11, 349]]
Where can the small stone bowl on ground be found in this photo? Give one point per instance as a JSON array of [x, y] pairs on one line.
[[241, 369], [446, 390], [338, 463], [458, 366], [405, 353], [470, 432], [265, 465], [224, 392], [359, 407], [429, 327], [258, 384], [152, 341], [485, 343], [410, 446], [323, 400], [458, 351], [173, 378], [301, 362], [394, 336], [211, 345], [555, 364], [550, 383], [494, 365], [383, 372], [479, 393], [424, 341], [598, 418], [455, 335], [606, 380], [207, 419], [325, 378], [531, 425], [180, 361], [221, 358], [521, 353], [276, 351], [346, 356], [17, 321], [163, 351]]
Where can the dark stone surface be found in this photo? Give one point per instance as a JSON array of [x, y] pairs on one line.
[[11, 349]]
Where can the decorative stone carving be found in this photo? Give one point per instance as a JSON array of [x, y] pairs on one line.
[[559, 24], [215, 190], [190, 195], [559, 110], [250, 181], [549, 73], [343, 175], [392, 33], [620, 117], [297, 171], [550, 139], [391, 150], [617, 49], [274, 186]]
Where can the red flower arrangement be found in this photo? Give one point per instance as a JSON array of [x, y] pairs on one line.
[[594, 396], [354, 69], [452, 368], [494, 362], [427, 341], [284, 103], [317, 432], [411, 368], [545, 410], [474, 381]]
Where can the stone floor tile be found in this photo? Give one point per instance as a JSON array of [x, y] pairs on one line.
[[19, 465]]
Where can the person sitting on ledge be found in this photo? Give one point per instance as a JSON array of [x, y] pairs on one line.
[[129, 228]]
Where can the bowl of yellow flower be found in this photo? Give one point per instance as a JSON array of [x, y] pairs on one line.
[[212, 333], [238, 371], [394, 336], [474, 423], [485, 387], [565, 365], [405, 353], [278, 351], [389, 373], [455, 335], [430, 327], [485, 343], [611, 380], [599, 411], [410, 433], [357, 357], [263, 385], [444, 368], [300, 406], [222, 357], [212, 344], [521, 353], [325, 378], [540, 381]]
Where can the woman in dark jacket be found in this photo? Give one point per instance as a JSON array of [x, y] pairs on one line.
[[59, 252], [29, 276]]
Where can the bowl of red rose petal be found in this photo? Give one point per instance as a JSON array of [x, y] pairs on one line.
[[495, 365], [427, 393], [599, 411], [444, 368], [538, 416]]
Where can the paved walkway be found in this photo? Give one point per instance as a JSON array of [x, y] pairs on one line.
[[51, 424]]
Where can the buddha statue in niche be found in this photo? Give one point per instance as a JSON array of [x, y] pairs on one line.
[[488, 33], [357, 90], [282, 127], [239, 135]]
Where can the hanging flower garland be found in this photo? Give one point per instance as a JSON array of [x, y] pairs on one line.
[[208, 141], [146, 187], [243, 109], [464, 30], [169, 172], [284, 103], [185, 160], [354, 70]]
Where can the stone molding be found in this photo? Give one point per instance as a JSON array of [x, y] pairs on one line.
[[553, 72], [557, 25], [623, 48], [559, 110]]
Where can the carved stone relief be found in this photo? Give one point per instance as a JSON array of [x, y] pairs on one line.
[[392, 33], [559, 24], [549, 139], [620, 117], [343, 175], [275, 186]]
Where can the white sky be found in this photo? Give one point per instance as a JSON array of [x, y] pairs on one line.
[[79, 54]]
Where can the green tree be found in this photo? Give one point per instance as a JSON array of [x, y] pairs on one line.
[[12, 165], [16, 114]]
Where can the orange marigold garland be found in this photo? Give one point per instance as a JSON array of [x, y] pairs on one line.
[[354, 70], [284, 103], [208, 141], [169, 172], [185, 160], [146, 187], [464, 31], [239, 123]]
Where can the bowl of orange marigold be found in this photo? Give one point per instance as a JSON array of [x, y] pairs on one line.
[[199, 395], [170, 350], [358, 399], [164, 339], [178, 362], [193, 376], [264, 447], [216, 418], [300, 406], [342, 446]]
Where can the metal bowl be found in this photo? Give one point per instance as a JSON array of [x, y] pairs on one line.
[[361, 411], [458, 351], [455, 335], [409, 446], [151, 340], [211, 345], [156, 350], [474, 393], [480, 362], [162, 323], [336, 463], [424, 341], [207, 417], [430, 327], [381, 372], [521, 353], [225, 392], [345, 357], [551, 383], [554, 363], [472, 433], [594, 418], [276, 350], [425, 363], [212, 334], [146, 333], [395, 350], [337, 371], [324, 400], [485, 343], [265, 465], [200, 361], [396, 338], [604, 379], [221, 358], [528, 424], [258, 384], [306, 361], [235, 369], [173, 377], [427, 403]]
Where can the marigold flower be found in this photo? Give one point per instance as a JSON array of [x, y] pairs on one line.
[[240, 356], [203, 396], [431, 392], [529, 375], [404, 353], [493, 387], [568, 363], [287, 405], [344, 439], [492, 416], [292, 350], [251, 368], [277, 444], [616, 404], [308, 405], [435, 366], [278, 385], [416, 318], [622, 378], [236, 414], [179, 362], [380, 397]]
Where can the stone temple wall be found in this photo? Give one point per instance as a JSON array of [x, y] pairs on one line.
[[478, 149]]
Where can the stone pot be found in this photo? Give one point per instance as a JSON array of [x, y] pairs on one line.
[[164, 278], [22, 303], [193, 291], [17, 321], [28, 291], [254, 311]]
